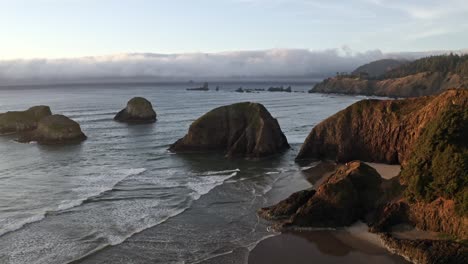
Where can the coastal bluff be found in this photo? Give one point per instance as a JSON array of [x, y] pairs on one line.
[[377, 130], [138, 110], [239, 130]]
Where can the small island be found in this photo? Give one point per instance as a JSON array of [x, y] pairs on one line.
[[138, 111]]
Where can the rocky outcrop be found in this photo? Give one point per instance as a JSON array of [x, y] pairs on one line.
[[427, 251], [239, 130], [345, 197], [21, 121], [138, 110], [420, 84], [53, 130], [377, 130]]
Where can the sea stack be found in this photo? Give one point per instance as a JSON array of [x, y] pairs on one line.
[[54, 130], [239, 130], [21, 121], [138, 111]]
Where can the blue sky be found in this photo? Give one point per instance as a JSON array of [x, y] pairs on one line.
[[74, 28]]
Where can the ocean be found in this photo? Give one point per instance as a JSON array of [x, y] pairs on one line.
[[121, 197]]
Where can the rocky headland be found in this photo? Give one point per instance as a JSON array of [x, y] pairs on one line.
[[138, 111], [427, 136], [426, 76], [54, 130], [238, 130]]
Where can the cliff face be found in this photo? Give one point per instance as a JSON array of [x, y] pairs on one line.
[[420, 84], [240, 130], [377, 130]]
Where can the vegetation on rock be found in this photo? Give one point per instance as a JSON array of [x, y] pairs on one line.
[[439, 163]]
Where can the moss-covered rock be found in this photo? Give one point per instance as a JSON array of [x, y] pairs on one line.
[[21, 121], [54, 129], [242, 130], [138, 110]]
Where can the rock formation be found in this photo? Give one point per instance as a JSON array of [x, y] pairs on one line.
[[345, 197], [239, 130], [377, 130], [21, 121], [138, 110], [54, 129]]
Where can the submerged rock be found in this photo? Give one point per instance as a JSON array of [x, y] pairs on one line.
[[138, 110], [240, 130], [21, 121], [54, 129]]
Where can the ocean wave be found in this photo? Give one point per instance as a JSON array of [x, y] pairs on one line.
[[203, 185], [18, 224], [66, 204]]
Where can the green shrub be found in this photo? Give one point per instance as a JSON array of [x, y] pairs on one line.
[[439, 165]]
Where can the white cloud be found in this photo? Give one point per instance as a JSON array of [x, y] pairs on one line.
[[267, 63]]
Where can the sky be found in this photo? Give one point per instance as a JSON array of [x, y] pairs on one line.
[[118, 32], [75, 28]]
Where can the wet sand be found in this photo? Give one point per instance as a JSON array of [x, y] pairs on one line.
[[340, 246], [347, 245], [385, 170]]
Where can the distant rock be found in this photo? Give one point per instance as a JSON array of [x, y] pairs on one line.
[[21, 121], [203, 88], [239, 130], [280, 89], [377, 130], [53, 130], [239, 90], [138, 110]]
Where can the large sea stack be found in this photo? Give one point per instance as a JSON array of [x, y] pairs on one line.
[[138, 110], [54, 130], [239, 130], [378, 130], [21, 121]]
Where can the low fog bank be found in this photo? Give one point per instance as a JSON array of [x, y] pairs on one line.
[[275, 64]]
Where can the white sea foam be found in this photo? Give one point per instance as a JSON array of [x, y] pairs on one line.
[[204, 184], [10, 225], [17, 224]]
